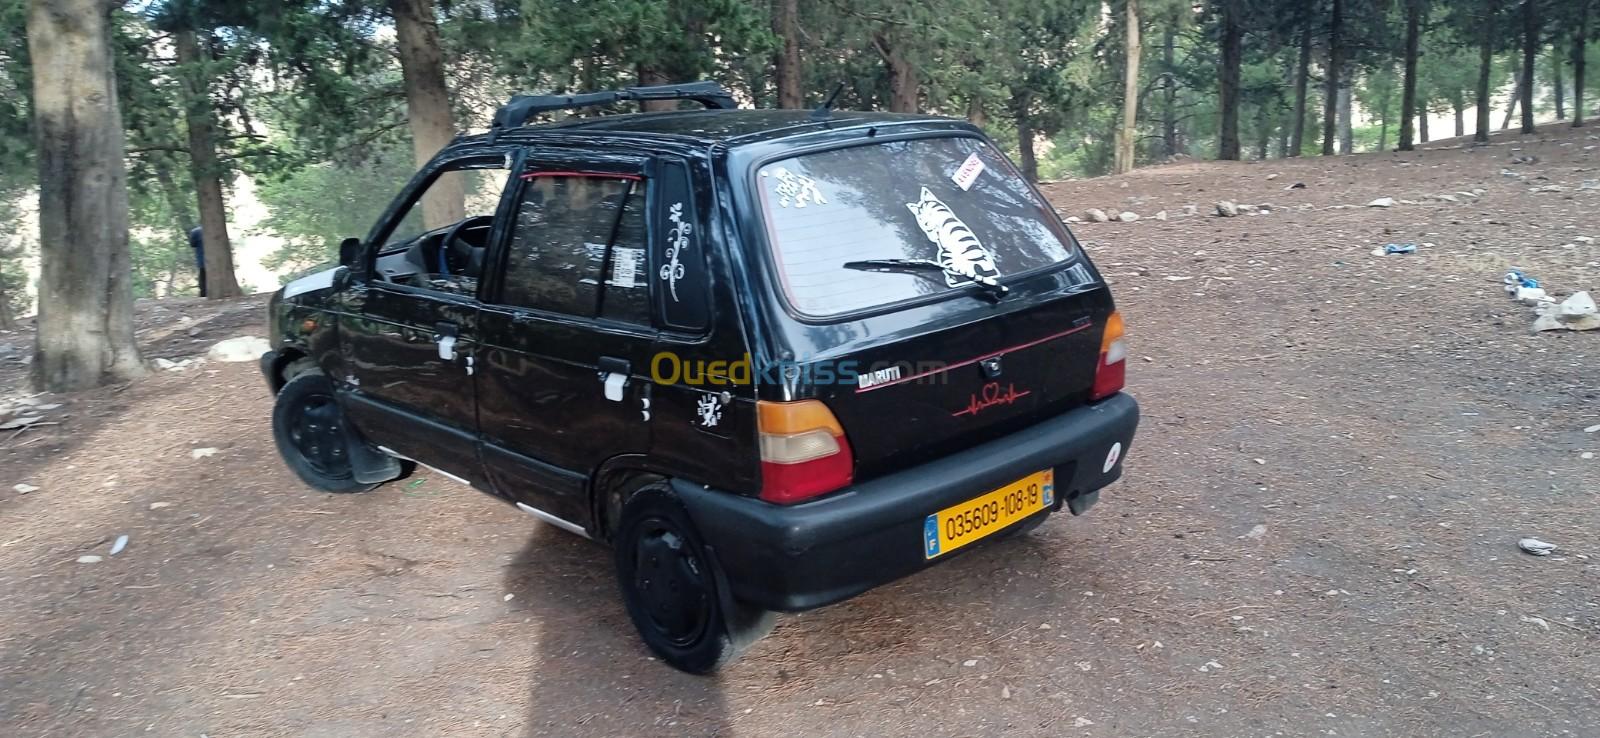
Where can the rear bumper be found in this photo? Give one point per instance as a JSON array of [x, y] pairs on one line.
[[813, 554]]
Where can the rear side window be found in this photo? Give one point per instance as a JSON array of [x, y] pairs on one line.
[[578, 247], [952, 207]]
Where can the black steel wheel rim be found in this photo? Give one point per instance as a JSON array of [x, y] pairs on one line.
[[316, 430], [672, 583]]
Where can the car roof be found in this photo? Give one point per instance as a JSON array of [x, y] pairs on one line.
[[731, 127]]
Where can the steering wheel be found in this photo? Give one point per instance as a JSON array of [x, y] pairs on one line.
[[453, 249]]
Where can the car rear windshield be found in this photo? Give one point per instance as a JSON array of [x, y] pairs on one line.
[[954, 206]]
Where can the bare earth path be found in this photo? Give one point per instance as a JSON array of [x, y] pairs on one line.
[[1316, 534]]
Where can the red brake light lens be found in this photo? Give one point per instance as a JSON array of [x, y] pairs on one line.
[[804, 453], [1112, 371]]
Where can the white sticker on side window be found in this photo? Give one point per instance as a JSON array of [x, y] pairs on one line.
[[625, 266], [677, 243], [968, 173]]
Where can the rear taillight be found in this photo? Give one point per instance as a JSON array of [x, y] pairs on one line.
[[1112, 370], [803, 451]]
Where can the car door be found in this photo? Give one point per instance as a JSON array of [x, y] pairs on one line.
[[566, 335], [410, 337]]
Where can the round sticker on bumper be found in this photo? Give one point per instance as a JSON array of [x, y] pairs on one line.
[[1112, 457]]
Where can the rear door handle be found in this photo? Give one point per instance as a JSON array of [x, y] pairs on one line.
[[614, 375], [446, 334]]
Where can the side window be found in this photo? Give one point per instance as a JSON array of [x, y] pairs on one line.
[[578, 247], [442, 240]]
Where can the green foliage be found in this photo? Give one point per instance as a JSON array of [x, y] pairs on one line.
[[314, 208]]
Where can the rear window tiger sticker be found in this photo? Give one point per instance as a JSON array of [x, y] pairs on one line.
[[962, 256], [796, 189]]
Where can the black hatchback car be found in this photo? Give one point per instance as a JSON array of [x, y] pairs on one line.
[[772, 358]]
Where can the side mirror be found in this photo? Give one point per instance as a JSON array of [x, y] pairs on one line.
[[349, 251]]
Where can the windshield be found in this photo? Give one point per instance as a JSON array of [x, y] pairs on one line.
[[836, 218]]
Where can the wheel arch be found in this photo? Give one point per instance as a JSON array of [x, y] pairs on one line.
[[612, 484]]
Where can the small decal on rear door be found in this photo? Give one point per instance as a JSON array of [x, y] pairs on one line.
[[709, 408]]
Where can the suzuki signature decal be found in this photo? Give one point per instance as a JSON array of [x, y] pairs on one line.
[[991, 395]]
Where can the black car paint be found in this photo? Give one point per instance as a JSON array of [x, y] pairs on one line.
[[558, 452]]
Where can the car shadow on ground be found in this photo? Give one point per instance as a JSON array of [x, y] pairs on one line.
[[591, 675]]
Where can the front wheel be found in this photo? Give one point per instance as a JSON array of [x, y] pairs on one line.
[[672, 592], [309, 428]]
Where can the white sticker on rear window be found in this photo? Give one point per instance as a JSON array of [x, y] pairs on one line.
[[625, 266], [962, 256], [795, 188], [968, 172]]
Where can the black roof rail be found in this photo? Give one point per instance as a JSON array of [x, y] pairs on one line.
[[522, 108]]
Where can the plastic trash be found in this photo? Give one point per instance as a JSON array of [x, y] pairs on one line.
[[1515, 278], [1400, 248], [1536, 546]]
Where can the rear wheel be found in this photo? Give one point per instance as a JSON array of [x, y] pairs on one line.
[[309, 428], [673, 594]]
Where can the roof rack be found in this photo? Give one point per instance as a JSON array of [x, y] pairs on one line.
[[522, 108]]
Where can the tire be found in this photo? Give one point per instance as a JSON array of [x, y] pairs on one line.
[[673, 592], [310, 432]]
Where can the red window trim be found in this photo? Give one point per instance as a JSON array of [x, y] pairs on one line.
[[592, 175]]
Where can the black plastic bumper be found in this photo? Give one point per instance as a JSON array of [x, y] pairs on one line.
[[800, 557], [269, 371]]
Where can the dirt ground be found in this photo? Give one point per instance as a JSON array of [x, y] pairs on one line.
[[1316, 534]]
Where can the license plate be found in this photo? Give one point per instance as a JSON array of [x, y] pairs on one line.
[[959, 525]]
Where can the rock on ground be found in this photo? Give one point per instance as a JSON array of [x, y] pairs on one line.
[[243, 348]]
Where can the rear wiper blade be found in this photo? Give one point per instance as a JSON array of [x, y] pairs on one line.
[[926, 268]]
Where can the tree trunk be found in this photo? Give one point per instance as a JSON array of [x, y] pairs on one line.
[[1422, 121], [1461, 116], [1028, 162], [903, 86], [1228, 83], [1579, 35], [1263, 132], [85, 324], [1558, 87], [1485, 68], [182, 220], [1383, 126], [416, 34], [1126, 135], [1346, 113], [1408, 96], [1302, 76], [1516, 97], [1330, 103], [786, 62], [204, 166], [1530, 51], [1283, 141], [976, 115], [1169, 93]]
